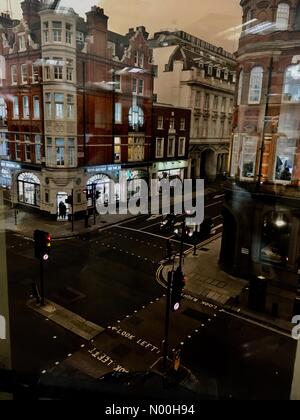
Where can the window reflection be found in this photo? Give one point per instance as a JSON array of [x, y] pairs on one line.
[[275, 238]]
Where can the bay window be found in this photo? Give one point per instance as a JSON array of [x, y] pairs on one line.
[[60, 152], [69, 33], [71, 152], [59, 105], [249, 153], [46, 32], [48, 105], [70, 106], [58, 69], [57, 31]]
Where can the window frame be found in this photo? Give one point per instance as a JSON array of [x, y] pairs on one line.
[[252, 87], [160, 156]]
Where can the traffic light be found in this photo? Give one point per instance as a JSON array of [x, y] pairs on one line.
[[177, 287], [69, 200], [42, 244]]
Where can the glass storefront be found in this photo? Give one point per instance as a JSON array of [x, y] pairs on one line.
[[29, 189], [5, 178]]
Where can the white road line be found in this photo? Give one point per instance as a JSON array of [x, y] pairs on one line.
[[250, 321], [214, 204], [152, 234]]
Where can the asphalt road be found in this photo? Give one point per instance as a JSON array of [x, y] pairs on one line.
[[112, 276]]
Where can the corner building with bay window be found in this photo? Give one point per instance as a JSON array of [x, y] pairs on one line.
[[75, 107], [262, 211]]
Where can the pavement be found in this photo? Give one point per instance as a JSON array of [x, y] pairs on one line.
[[206, 280], [24, 223]]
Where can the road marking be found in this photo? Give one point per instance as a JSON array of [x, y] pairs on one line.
[[250, 321], [214, 204], [153, 234]]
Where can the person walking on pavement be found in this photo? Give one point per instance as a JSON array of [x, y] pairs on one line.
[[62, 210]]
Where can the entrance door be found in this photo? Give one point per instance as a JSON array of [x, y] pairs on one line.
[[63, 209]]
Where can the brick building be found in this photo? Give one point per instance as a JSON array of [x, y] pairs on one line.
[[171, 138], [75, 106], [262, 212]]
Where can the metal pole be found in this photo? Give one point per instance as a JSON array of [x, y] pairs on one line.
[[182, 246], [167, 320], [94, 202], [5, 353], [42, 282], [72, 210]]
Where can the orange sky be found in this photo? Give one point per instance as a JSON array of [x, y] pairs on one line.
[[204, 18]]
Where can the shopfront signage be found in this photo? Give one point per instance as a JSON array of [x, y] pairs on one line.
[[168, 166], [9, 165], [103, 168]]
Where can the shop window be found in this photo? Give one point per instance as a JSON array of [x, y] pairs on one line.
[[275, 238], [285, 159], [29, 189], [291, 89], [255, 85]]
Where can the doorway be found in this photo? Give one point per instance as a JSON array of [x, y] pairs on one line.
[[63, 209]]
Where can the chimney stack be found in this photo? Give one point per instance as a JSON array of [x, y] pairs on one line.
[[97, 23]]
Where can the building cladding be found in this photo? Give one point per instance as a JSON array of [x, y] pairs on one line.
[[194, 74], [75, 106], [262, 212]]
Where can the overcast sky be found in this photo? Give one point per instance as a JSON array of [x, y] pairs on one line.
[[207, 19]]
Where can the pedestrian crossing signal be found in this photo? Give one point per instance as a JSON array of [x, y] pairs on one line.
[[176, 291], [42, 244]]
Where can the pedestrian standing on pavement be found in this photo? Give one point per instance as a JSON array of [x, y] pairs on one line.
[[61, 210], [64, 211]]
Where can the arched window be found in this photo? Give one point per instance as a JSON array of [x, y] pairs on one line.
[[283, 16], [255, 85], [136, 117], [240, 89], [291, 87], [29, 189], [102, 184]]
